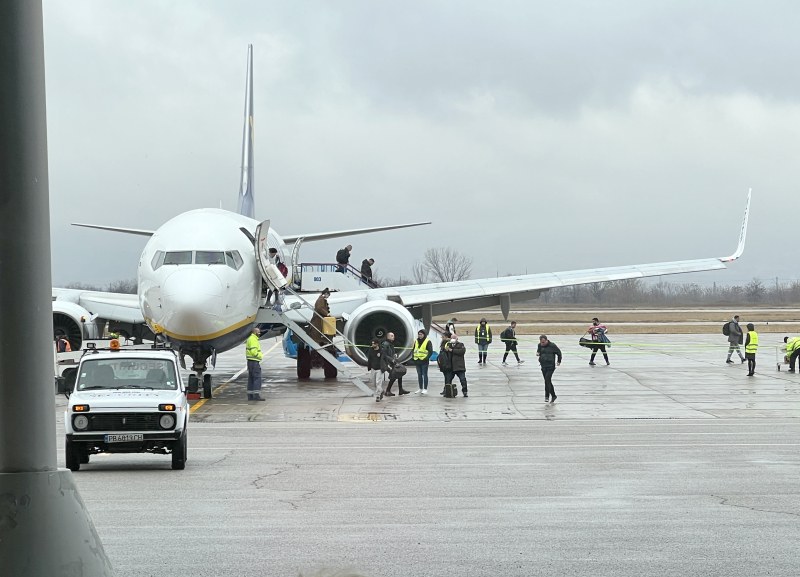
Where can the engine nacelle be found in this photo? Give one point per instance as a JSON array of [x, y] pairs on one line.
[[72, 321], [373, 320]]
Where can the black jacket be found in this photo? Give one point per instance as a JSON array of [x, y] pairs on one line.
[[366, 269], [508, 336], [444, 360], [457, 356], [343, 256], [388, 356], [548, 354], [374, 358]]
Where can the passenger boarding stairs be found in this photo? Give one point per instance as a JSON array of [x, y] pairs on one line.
[[276, 282], [276, 314]]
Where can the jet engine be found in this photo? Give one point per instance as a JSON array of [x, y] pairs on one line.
[[373, 320], [70, 320]]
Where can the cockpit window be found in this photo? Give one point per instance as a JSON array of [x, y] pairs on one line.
[[178, 257], [158, 260], [209, 257], [233, 259]]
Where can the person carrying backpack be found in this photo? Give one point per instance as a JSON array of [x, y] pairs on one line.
[[734, 339], [509, 337]]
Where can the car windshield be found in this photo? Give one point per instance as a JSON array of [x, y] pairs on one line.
[[127, 373]]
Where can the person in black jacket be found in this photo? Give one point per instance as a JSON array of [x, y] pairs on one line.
[[366, 271], [455, 350], [458, 350], [444, 360], [388, 360], [343, 258], [509, 337], [374, 368], [549, 358]]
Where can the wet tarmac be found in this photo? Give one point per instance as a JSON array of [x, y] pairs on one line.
[[650, 377]]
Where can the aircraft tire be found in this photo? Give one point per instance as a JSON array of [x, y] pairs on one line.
[[207, 386], [303, 363], [73, 455], [330, 371], [193, 384]]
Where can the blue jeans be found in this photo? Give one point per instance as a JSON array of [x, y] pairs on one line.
[[422, 375]]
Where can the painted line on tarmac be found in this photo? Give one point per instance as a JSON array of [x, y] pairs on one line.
[[202, 402], [553, 446]]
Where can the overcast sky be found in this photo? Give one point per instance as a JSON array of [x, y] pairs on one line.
[[537, 136]]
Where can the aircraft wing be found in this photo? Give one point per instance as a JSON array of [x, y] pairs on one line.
[[112, 306], [339, 233], [448, 297], [137, 231]]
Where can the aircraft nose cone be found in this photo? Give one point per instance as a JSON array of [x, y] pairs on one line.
[[194, 300], [192, 286]]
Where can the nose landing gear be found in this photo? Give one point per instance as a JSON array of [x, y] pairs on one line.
[[194, 385]]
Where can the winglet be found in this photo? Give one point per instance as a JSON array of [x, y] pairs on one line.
[[742, 234], [246, 200]]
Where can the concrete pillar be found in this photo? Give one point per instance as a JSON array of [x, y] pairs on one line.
[[44, 526]]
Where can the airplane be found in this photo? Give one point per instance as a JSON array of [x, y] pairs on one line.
[[200, 287]]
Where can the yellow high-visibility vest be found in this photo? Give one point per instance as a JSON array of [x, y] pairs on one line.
[[752, 346], [253, 348], [420, 350]]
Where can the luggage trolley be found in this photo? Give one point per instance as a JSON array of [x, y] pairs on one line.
[[780, 357]]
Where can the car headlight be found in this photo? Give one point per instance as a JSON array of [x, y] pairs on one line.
[[167, 421], [80, 422]]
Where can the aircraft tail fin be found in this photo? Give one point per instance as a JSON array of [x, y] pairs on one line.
[[246, 200]]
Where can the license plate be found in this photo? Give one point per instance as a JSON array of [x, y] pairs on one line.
[[126, 438]]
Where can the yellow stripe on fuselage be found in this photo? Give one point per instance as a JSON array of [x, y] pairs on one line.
[[208, 337]]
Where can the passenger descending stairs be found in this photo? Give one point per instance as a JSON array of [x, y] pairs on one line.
[[277, 315]]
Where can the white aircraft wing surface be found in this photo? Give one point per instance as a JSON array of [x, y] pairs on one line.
[[446, 297], [113, 306], [289, 238], [136, 231], [460, 295]]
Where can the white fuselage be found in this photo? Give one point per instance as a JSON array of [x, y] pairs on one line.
[[199, 285]]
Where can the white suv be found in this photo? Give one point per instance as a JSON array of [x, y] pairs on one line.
[[126, 401]]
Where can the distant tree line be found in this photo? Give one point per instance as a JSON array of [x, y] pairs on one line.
[[637, 292], [128, 286]]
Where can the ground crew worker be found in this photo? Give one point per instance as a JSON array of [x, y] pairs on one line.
[[423, 349], [792, 350], [483, 338], [254, 356], [750, 349], [62, 345]]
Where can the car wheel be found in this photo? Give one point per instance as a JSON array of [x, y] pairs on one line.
[[179, 453], [73, 455]]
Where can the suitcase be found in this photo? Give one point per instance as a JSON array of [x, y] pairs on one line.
[[450, 390]]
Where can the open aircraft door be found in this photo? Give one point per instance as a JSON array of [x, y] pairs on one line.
[[269, 270], [297, 270]]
